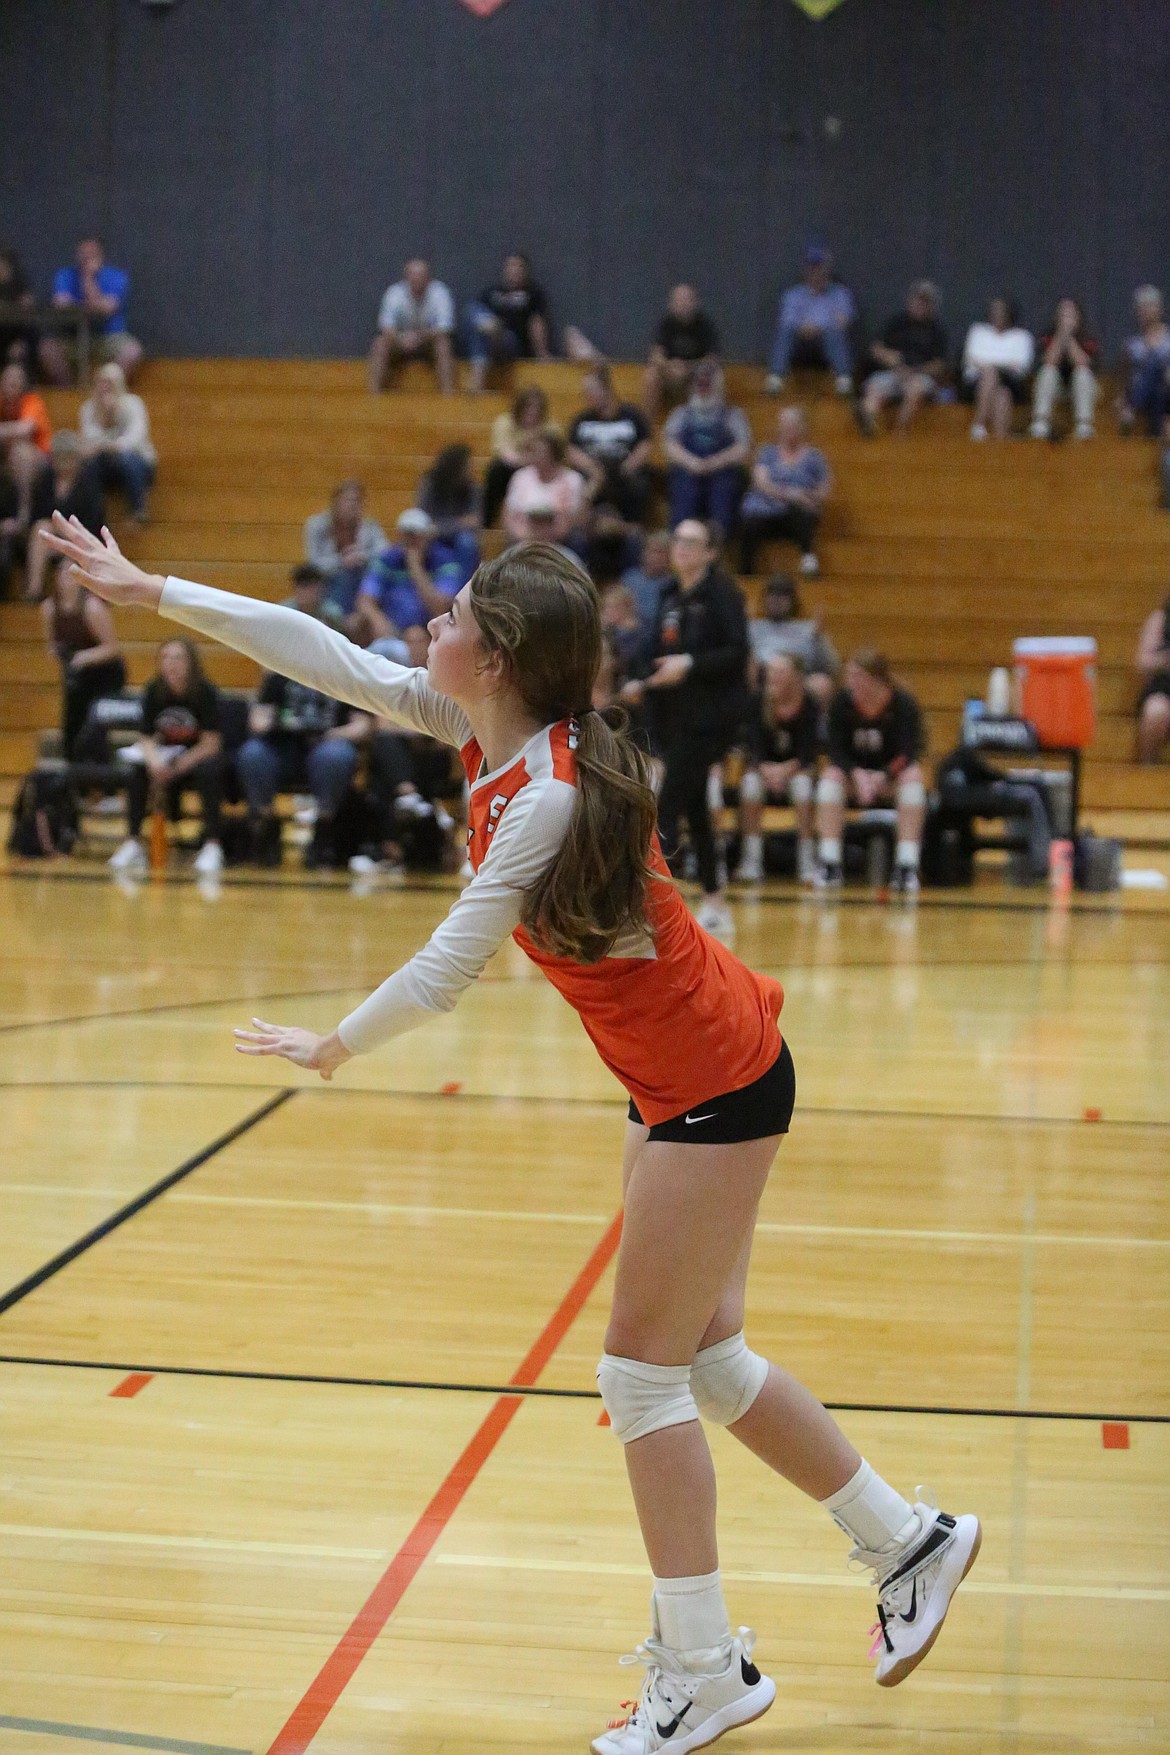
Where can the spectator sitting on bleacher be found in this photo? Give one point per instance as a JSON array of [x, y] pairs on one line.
[[298, 737], [449, 494], [875, 745], [179, 749], [783, 747], [545, 482], [509, 321], [512, 436], [609, 443], [781, 632], [103, 290], [17, 342], [997, 367], [411, 777], [25, 436], [415, 579], [70, 486], [685, 336], [789, 487], [343, 544], [80, 633], [310, 595], [1145, 365], [648, 580], [1153, 668], [908, 361], [813, 325], [115, 434], [1068, 362], [707, 446], [416, 320]]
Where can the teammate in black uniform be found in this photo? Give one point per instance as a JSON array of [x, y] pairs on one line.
[[876, 740], [784, 745]]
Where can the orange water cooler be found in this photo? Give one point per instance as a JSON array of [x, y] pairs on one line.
[[1056, 681]]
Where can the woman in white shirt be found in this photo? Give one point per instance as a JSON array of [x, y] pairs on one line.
[[115, 428], [997, 365]]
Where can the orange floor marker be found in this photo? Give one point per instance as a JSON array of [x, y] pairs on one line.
[[1115, 1435], [131, 1385]]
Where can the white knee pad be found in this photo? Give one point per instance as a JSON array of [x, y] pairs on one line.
[[726, 1379], [801, 788], [751, 788], [911, 793], [830, 791], [641, 1399]]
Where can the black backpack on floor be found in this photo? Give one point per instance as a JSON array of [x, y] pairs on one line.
[[44, 815]]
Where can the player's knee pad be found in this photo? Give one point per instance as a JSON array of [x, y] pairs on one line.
[[726, 1379], [830, 790], [751, 788], [641, 1398], [911, 793], [801, 788]]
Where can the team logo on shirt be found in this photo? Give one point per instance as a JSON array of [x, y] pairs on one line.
[[495, 809]]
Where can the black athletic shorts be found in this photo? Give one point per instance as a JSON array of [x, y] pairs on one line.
[[759, 1110]]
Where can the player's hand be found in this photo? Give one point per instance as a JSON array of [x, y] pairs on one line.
[[100, 564], [323, 1054]]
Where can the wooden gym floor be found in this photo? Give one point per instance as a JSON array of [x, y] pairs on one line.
[[298, 1439]]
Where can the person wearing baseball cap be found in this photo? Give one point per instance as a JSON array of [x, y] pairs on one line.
[[414, 579], [813, 325]]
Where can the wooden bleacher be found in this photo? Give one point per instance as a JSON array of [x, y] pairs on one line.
[[937, 550]]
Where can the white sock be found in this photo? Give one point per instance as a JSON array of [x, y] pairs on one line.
[[753, 848], [830, 850], [869, 1510], [907, 855], [691, 1616], [804, 848]]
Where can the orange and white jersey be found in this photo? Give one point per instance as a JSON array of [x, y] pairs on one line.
[[672, 1012]]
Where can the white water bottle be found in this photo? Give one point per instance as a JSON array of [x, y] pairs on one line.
[[999, 693]]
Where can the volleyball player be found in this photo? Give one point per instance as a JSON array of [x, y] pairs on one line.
[[566, 860], [876, 740]]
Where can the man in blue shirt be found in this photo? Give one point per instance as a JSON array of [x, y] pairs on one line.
[[813, 325], [408, 583], [103, 291]]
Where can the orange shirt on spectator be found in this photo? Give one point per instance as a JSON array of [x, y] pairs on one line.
[[31, 407]]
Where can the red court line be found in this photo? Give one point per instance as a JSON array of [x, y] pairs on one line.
[[131, 1385], [338, 1669]]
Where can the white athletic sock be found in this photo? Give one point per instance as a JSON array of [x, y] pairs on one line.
[[691, 1618], [753, 848], [830, 850], [907, 855], [869, 1510]]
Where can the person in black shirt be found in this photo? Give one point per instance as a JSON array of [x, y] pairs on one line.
[[179, 750], [875, 744], [298, 737], [693, 692], [685, 335], [509, 320], [609, 443], [907, 362], [16, 341], [783, 746]]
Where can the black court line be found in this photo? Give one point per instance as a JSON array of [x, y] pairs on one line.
[[176, 1005], [620, 1102], [537, 1391], [140, 1201], [125, 1739]]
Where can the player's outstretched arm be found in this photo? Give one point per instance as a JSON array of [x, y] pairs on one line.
[[282, 640]]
